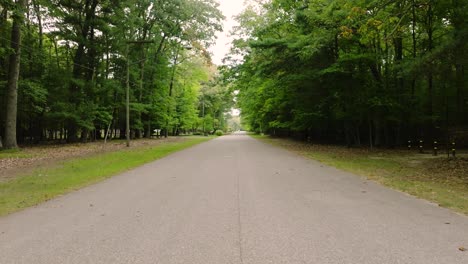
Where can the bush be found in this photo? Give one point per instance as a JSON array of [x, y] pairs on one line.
[[219, 133]]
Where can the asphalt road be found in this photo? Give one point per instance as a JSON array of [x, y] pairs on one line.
[[234, 200]]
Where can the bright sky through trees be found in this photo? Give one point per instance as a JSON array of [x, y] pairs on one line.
[[230, 8]]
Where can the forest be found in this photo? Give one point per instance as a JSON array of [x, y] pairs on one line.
[[353, 72], [66, 66]]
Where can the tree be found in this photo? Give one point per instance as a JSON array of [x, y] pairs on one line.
[[13, 75], [351, 72], [71, 86]]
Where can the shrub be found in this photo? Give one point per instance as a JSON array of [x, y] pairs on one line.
[[219, 133]]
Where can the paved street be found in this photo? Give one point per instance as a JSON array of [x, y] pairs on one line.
[[235, 200]]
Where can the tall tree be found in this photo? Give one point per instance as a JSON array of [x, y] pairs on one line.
[[71, 84], [352, 72], [13, 75]]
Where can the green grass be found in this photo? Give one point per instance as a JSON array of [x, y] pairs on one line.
[[13, 153], [423, 176], [45, 184]]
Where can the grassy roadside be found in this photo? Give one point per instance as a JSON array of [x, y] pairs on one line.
[[12, 153], [44, 184], [437, 179]]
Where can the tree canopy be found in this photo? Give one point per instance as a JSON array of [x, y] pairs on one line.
[[73, 67], [353, 72]]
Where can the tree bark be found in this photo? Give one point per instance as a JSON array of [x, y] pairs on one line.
[[13, 75], [413, 35], [459, 23], [37, 10], [430, 77], [398, 61]]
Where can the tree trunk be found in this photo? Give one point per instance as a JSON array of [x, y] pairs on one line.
[[398, 60], [141, 88], [459, 23], [460, 75], [37, 10], [148, 129], [430, 77], [13, 75], [413, 35], [86, 43], [357, 136], [371, 143]]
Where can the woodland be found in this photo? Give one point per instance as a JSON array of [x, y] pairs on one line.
[[65, 66], [354, 72]]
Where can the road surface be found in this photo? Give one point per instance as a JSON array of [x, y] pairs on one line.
[[234, 200]]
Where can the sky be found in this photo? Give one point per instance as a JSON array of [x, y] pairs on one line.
[[230, 8]]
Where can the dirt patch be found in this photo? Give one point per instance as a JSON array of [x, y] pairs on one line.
[[449, 168], [31, 158]]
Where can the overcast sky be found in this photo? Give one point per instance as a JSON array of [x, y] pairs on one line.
[[229, 8]]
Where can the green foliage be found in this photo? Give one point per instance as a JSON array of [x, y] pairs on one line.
[[352, 71], [216, 101], [219, 133], [74, 66]]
